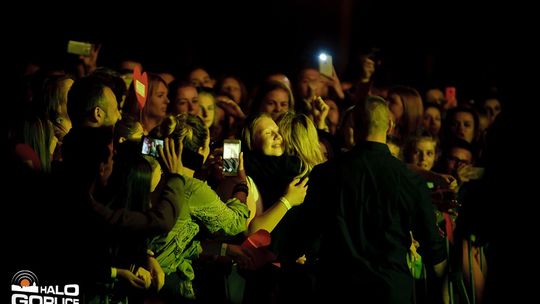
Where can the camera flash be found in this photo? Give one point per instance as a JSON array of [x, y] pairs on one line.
[[323, 57]]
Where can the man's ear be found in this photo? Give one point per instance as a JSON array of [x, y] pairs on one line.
[[97, 114], [391, 126]]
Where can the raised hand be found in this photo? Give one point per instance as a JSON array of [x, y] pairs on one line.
[[172, 156]]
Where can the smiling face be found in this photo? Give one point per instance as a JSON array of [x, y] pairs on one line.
[[424, 154], [266, 137]]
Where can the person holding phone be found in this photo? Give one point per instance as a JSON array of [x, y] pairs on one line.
[[205, 206]]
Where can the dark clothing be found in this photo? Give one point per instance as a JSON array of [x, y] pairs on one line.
[[368, 202], [70, 234], [272, 176]]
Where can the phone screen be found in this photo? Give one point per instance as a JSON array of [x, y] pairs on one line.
[[79, 48], [325, 65], [150, 146], [231, 156]]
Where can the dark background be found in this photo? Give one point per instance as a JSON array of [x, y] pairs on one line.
[[447, 43]]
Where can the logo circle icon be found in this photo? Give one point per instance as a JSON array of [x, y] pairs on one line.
[[24, 278]]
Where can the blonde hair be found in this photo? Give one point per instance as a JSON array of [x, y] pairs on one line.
[[301, 140], [247, 132]]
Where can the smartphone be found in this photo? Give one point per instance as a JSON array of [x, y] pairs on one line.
[[476, 173], [231, 156], [450, 96], [325, 64], [79, 48], [150, 145]]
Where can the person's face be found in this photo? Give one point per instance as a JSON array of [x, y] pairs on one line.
[[200, 78], [432, 120], [462, 125], [232, 87], [311, 83], [275, 103], [187, 101], [424, 154], [207, 112], [396, 106], [493, 108], [266, 137], [112, 114], [435, 96], [157, 105], [458, 157]]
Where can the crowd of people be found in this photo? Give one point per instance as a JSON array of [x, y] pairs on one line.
[[369, 190]]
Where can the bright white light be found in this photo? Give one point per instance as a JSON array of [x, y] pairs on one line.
[[322, 57]]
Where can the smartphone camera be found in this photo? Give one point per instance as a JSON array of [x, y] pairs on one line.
[[231, 156], [325, 64], [150, 146]]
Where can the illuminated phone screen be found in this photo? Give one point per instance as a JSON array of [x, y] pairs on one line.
[[231, 156]]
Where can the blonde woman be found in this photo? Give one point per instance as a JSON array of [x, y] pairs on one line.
[[301, 140]]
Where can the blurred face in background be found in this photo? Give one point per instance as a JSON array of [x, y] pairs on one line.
[[232, 87], [432, 120], [275, 103], [435, 96], [493, 108], [200, 78], [312, 84], [186, 101], [462, 125], [456, 158]]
